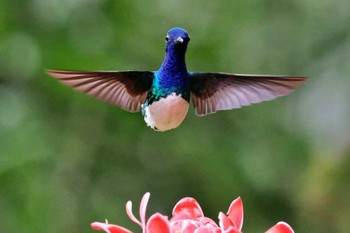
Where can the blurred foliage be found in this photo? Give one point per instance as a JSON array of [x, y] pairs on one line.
[[67, 159]]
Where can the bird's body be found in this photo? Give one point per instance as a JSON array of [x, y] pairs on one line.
[[167, 102], [166, 113], [163, 96]]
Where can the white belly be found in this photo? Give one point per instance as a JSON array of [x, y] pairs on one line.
[[166, 113]]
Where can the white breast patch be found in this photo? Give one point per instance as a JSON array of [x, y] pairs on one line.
[[166, 113]]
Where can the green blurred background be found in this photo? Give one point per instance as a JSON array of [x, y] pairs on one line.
[[67, 159]]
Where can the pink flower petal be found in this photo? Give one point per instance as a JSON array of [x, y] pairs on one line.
[[109, 228], [207, 221], [143, 207], [203, 230], [280, 227], [158, 224], [187, 208], [231, 230], [235, 213], [187, 228], [225, 222], [128, 208]]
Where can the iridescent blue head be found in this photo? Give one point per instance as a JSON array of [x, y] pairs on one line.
[[177, 38]]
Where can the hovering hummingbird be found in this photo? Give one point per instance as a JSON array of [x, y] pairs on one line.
[[163, 96]]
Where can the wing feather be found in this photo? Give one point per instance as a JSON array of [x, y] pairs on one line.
[[126, 89], [211, 92]]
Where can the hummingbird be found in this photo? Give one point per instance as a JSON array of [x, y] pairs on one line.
[[163, 96]]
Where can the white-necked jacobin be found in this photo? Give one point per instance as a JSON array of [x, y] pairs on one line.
[[163, 96]]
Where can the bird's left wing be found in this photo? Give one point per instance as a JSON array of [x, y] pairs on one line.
[[126, 89], [211, 92]]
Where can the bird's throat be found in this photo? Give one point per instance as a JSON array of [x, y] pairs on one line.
[[174, 63]]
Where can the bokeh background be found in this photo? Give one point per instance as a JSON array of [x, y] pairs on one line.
[[67, 159]]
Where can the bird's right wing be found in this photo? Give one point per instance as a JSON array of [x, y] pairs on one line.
[[126, 89]]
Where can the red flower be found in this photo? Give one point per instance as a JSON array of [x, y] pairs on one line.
[[187, 217]]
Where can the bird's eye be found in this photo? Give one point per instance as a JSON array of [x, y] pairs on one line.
[[166, 38]]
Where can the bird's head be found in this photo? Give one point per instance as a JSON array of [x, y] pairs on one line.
[[177, 38]]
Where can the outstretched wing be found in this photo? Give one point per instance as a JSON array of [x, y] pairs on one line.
[[126, 89], [211, 92]]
